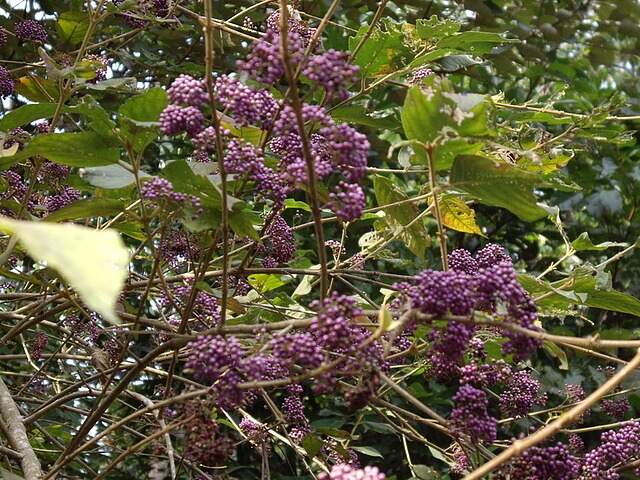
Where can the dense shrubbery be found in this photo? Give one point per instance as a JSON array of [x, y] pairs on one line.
[[318, 241]]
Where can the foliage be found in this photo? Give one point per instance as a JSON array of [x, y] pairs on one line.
[[321, 239]]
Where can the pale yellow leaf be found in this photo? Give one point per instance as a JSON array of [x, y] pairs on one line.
[[458, 216], [93, 262]]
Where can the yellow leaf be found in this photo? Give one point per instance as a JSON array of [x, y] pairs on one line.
[[458, 216]]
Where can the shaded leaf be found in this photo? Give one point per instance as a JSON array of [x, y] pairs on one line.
[[498, 184], [27, 114], [583, 242], [87, 208], [110, 176], [399, 217]]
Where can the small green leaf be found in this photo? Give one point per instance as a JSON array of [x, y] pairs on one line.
[[82, 149], [312, 445], [583, 242], [358, 114], [476, 43], [369, 451], [401, 218], [93, 262], [73, 26], [498, 184], [383, 52], [264, 282], [556, 352], [296, 204]]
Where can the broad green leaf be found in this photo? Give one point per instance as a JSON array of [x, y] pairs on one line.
[[580, 290], [453, 63], [398, 217], [83, 149], [93, 262], [98, 118], [358, 114], [138, 117], [37, 89], [583, 242], [435, 110], [241, 223], [296, 204], [435, 29], [312, 445], [475, 43], [73, 26], [498, 184], [264, 282], [457, 215], [111, 84], [384, 52], [181, 173], [110, 176], [27, 114], [146, 107], [87, 208]]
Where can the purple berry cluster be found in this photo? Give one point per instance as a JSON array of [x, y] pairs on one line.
[[520, 393], [3, 36], [470, 417], [331, 70], [159, 189], [618, 409], [187, 91], [30, 30], [279, 245], [554, 462], [343, 471], [7, 85], [246, 104], [616, 448], [178, 248], [205, 444]]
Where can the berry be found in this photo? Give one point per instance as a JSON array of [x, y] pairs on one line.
[[470, 416], [30, 30], [331, 71], [343, 471], [3, 37], [519, 395], [175, 119], [187, 91], [7, 86]]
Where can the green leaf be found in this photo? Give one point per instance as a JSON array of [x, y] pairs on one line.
[[27, 114], [99, 119], [358, 114], [556, 352], [73, 26], [580, 289], [398, 217], [242, 224], [453, 63], [87, 208], [110, 176], [476, 43], [435, 29], [185, 179], [369, 451], [37, 89], [296, 204], [498, 184], [458, 216], [93, 262], [583, 242], [146, 107], [383, 52], [264, 282], [435, 110], [312, 445], [138, 117], [83, 149]]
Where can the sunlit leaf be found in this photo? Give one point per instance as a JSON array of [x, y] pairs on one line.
[[93, 262], [457, 215], [73, 26]]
